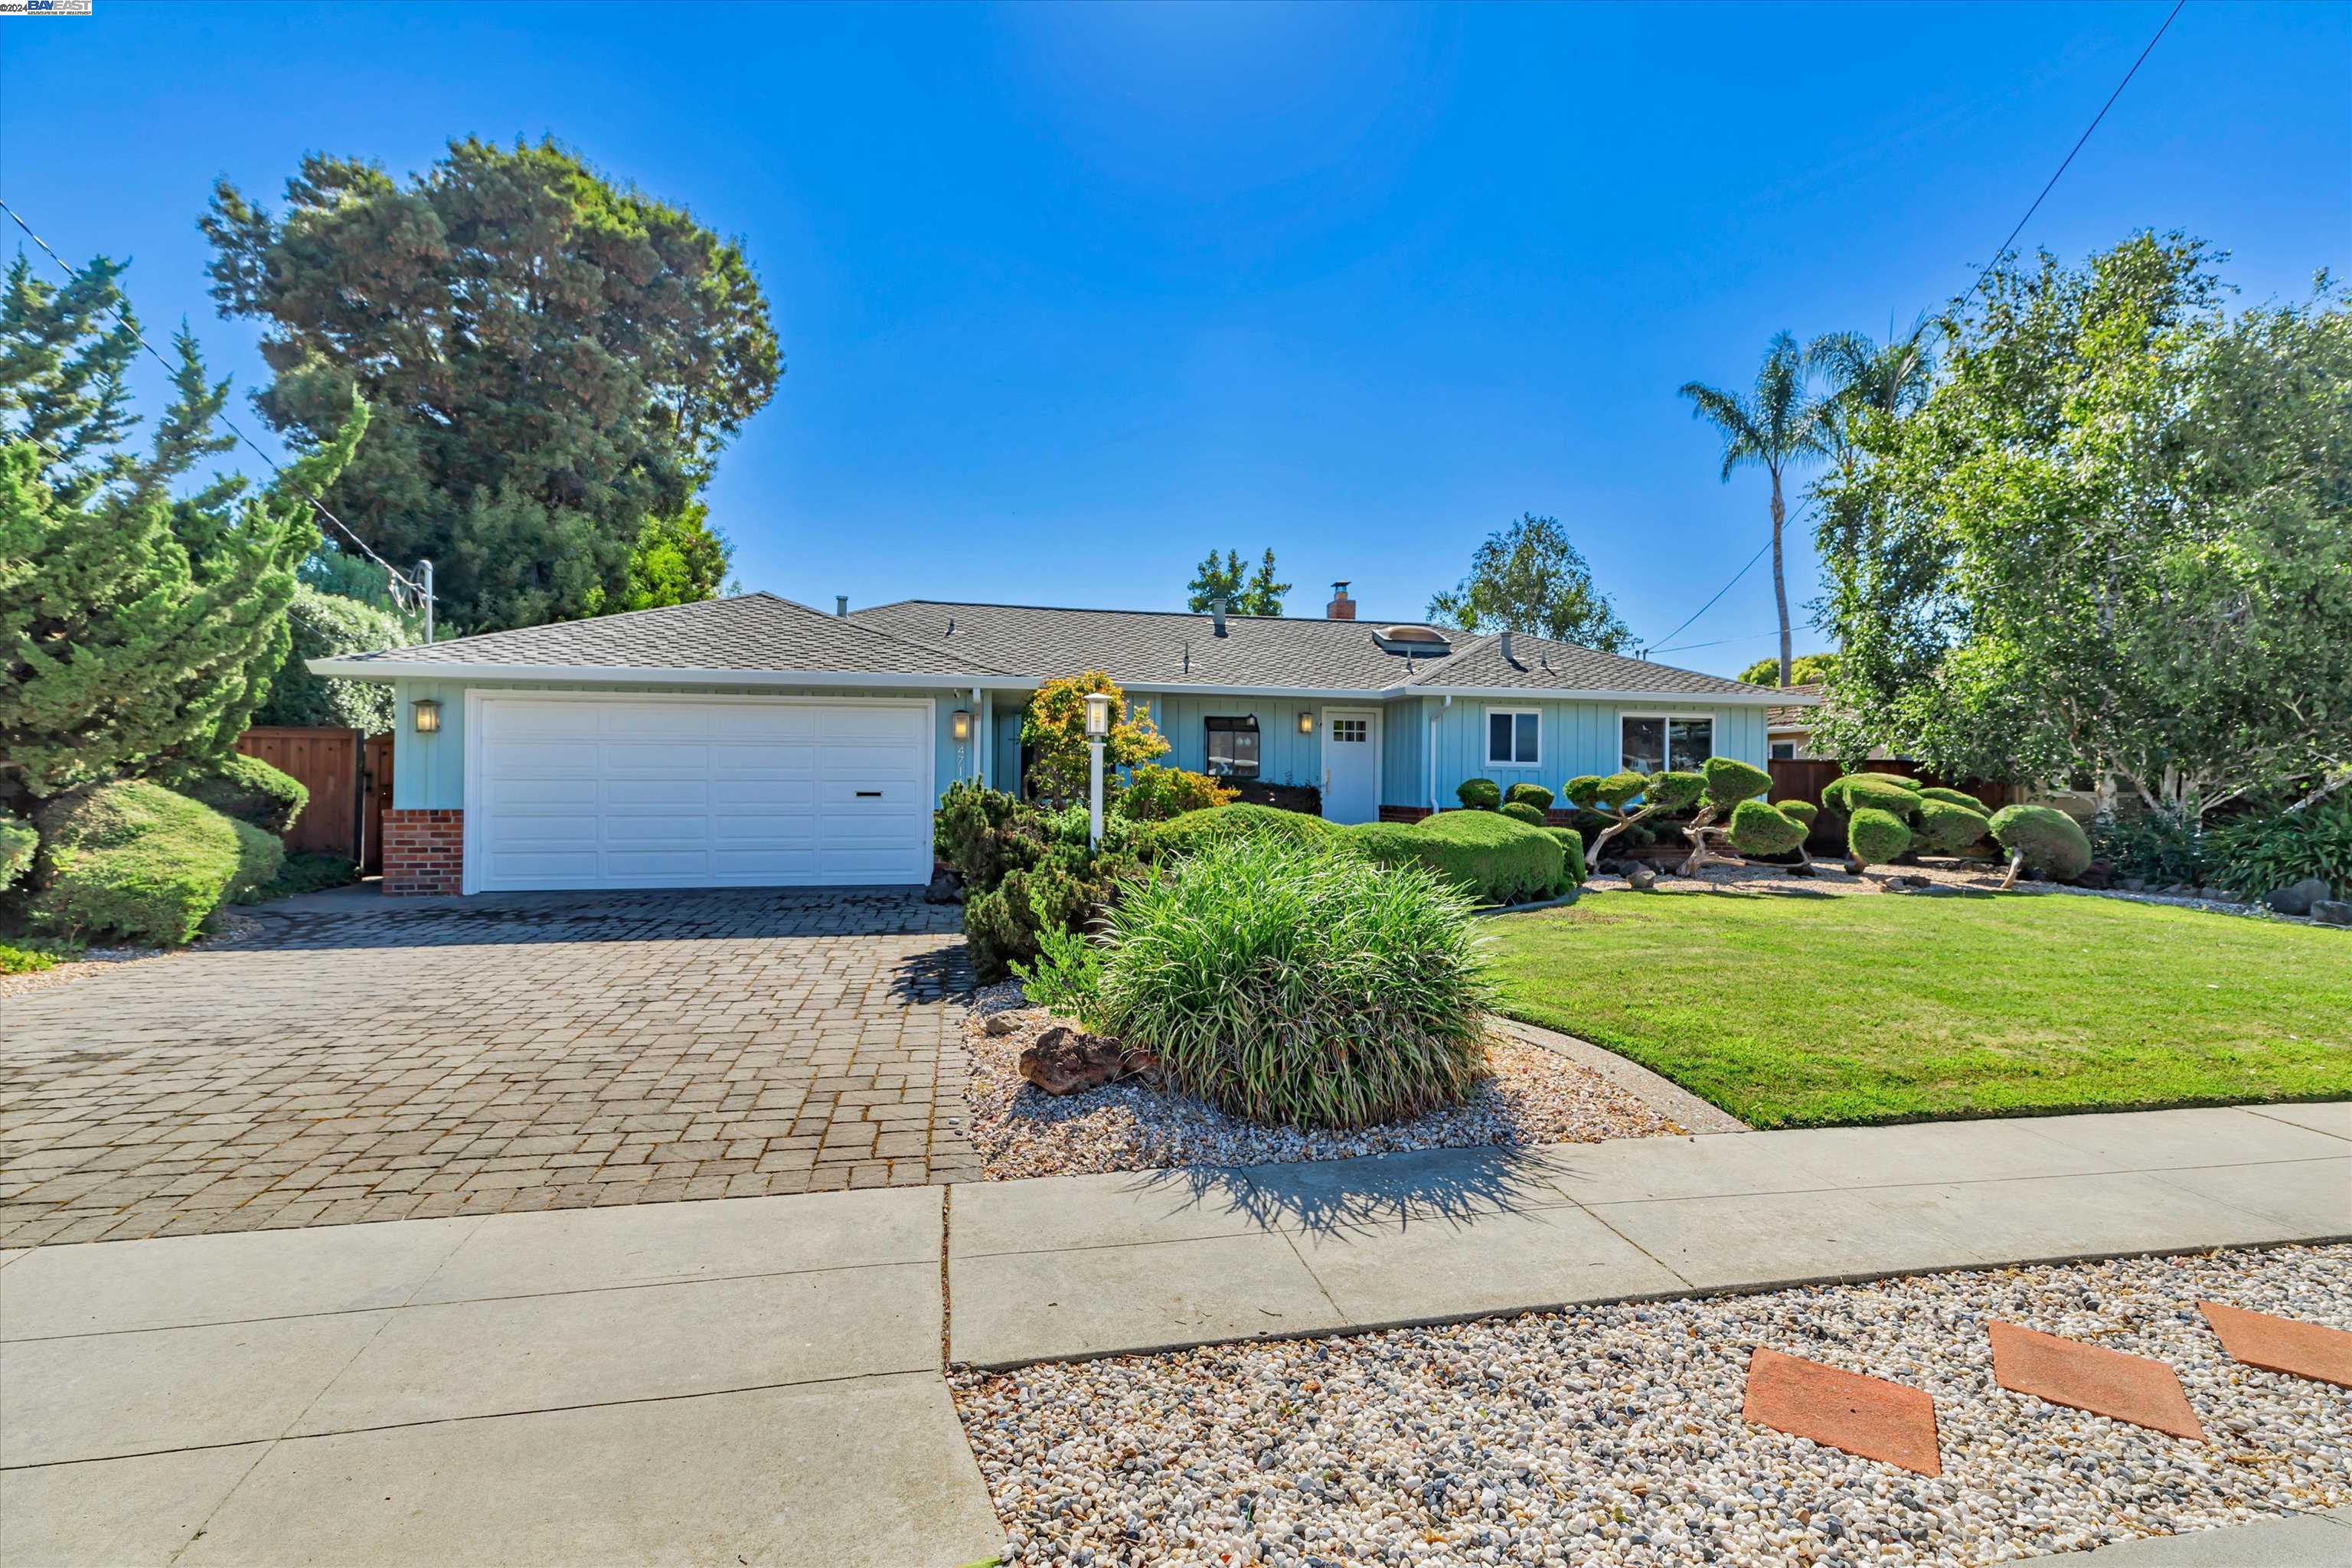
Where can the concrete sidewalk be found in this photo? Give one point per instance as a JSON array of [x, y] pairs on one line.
[[754, 1381], [2302, 1541], [1070, 1267]]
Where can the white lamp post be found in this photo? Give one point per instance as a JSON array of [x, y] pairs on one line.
[[1097, 728]]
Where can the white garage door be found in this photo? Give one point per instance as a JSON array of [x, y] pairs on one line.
[[679, 793]]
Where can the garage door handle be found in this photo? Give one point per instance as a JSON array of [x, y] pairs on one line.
[[869, 794]]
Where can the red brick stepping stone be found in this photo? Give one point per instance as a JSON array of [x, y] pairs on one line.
[[2282, 1344], [2084, 1378], [1866, 1417]]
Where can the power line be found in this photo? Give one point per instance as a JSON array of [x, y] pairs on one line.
[[1659, 647], [123, 316], [2046, 189], [1718, 642]]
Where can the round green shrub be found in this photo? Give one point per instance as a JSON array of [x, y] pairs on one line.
[[1479, 794], [1617, 789], [1876, 836], [1002, 927], [246, 789], [1571, 850], [19, 840], [1948, 829], [1856, 791], [1495, 858], [1181, 836], [1758, 828], [1673, 791], [1900, 781], [2053, 844], [1730, 780], [1583, 790], [1533, 795], [1521, 810], [1955, 798], [1803, 811], [133, 860], [1301, 988]]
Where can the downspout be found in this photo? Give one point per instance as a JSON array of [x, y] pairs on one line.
[[979, 736], [988, 739], [1436, 716]]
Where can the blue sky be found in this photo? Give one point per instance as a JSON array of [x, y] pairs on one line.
[[1070, 294]]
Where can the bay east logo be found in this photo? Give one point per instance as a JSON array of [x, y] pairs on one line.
[[45, 7]]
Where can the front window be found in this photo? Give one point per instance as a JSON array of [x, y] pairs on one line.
[[1784, 751], [1655, 742], [1513, 738], [1232, 748]]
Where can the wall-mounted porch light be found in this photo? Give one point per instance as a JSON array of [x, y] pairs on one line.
[[425, 714], [1306, 722], [959, 725]]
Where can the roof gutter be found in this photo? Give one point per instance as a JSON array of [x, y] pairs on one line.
[[653, 675]]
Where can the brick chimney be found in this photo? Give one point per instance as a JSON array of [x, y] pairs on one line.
[[1341, 607]]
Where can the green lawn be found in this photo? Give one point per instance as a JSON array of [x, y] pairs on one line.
[[1804, 1011]]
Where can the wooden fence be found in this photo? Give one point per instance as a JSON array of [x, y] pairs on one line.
[[1804, 778], [348, 776]]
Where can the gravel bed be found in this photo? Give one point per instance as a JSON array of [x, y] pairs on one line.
[[228, 929], [1535, 1095], [1615, 1436]]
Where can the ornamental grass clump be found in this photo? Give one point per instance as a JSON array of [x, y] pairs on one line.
[[1299, 986]]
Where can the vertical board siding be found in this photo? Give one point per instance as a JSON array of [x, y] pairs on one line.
[[1284, 756], [1577, 738], [1404, 759]]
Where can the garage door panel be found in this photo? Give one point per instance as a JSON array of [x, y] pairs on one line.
[[680, 793]]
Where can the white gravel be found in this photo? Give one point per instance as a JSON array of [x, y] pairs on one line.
[[1614, 1435], [1535, 1095]]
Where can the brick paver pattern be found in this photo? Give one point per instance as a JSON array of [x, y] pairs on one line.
[[518, 1052]]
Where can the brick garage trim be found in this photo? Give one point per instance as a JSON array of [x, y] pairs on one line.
[[1403, 813], [424, 852]]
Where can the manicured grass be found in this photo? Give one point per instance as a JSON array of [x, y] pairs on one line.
[[1804, 1011]]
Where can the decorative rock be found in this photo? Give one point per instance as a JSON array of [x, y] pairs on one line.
[[998, 1024], [1065, 1061], [2133, 884], [2296, 898], [2099, 874], [946, 888], [2178, 890], [2333, 912], [1641, 879]]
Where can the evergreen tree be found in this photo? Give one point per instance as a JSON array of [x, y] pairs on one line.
[[139, 627], [553, 360], [679, 559], [1247, 591], [1529, 578]]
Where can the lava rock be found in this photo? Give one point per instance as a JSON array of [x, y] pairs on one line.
[[998, 1023], [947, 888], [2295, 898], [2332, 911], [1067, 1061]]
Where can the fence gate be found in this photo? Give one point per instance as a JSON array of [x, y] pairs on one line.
[[348, 776]]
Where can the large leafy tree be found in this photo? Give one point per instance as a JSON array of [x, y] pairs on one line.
[[1246, 591], [142, 616], [1777, 425], [1866, 378], [555, 361], [2113, 540], [679, 560], [1805, 670], [323, 626], [1530, 578]]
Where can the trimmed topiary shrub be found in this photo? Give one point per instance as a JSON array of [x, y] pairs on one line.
[[1803, 811], [246, 789], [133, 860], [1900, 781], [1187, 834], [1533, 795], [1730, 780], [1948, 829], [1571, 849], [1673, 791], [1493, 857], [1302, 988], [1758, 828], [1955, 798], [18, 841], [1582, 791], [1479, 794], [1521, 810], [1875, 836], [1876, 792], [2043, 840], [1729, 784]]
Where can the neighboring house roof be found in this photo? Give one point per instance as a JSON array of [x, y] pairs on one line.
[[769, 640], [1792, 716]]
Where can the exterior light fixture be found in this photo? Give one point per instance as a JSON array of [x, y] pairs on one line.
[[1306, 722], [425, 714], [959, 725], [1098, 730], [1098, 715]]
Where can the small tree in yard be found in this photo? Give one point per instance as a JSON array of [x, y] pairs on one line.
[[1611, 797], [1056, 727], [1735, 791]]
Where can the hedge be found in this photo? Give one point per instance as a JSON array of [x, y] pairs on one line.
[[133, 860], [1181, 836], [1876, 836], [1955, 798], [246, 789], [1491, 856], [2053, 844], [1571, 849], [1521, 810], [1760, 829], [1876, 791], [1946, 830]]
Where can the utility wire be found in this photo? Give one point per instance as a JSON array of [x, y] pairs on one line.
[[2046, 189], [1735, 576], [1718, 642], [123, 315]]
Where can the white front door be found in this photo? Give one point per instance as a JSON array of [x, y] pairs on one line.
[[684, 791], [1351, 765]]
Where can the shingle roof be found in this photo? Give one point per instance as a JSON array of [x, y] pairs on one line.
[[1155, 647], [1789, 716], [755, 631]]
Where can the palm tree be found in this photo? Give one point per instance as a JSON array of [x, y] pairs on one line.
[[1893, 379], [1776, 426]]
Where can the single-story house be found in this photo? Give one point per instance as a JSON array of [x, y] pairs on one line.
[[756, 742], [1789, 726]]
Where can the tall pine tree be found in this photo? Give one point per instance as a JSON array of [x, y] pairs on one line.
[[140, 628]]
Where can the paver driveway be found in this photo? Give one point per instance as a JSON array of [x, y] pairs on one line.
[[366, 1061]]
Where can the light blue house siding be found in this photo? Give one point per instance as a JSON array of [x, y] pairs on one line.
[[1577, 738], [428, 772], [1284, 756]]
